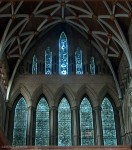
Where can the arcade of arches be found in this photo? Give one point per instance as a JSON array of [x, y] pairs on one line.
[[63, 90]]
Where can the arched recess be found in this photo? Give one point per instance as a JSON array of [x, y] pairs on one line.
[[24, 92], [107, 90], [43, 89], [65, 90], [86, 90]]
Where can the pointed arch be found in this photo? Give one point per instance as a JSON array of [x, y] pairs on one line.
[[42, 123], [65, 90], [110, 92], [20, 123], [108, 123], [86, 90], [46, 92], [64, 123], [63, 54], [21, 90], [86, 123]]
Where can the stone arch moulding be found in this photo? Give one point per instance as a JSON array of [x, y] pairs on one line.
[[42, 89], [87, 90], [65, 89], [25, 93], [111, 92]]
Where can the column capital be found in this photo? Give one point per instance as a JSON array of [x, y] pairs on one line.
[[97, 108], [75, 108], [31, 107], [53, 108]]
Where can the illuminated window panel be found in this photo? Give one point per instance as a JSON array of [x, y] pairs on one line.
[[63, 54], [86, 123], [42, 123], [48, 61], [64, 123], [92, 66], [108, 123], [20, 123], [78, 59], [34, 65]]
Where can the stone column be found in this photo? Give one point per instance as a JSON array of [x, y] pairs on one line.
[[30, 125], [7, 120], [53, 126], [123, 141], [98, 126], [75, 126]]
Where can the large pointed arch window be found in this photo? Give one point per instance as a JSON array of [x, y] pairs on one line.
[[34, 65], [42, 123], [48, 61], [108, 123], [64, 123], [20, 123], [63, 54], [86, 123], [78, 59], [92, 66]]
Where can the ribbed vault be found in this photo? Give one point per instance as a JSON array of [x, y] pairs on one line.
[[103, 22]]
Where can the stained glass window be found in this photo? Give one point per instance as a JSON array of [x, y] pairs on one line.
[[92, 66], [42, 123], [34, 65], [63, 54], [78, 59], [108, 123], [64, 123], [86, 123], [48, 61], [20, 123]]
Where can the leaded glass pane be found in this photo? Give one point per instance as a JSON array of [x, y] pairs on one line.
[[86, 123], [78, 58], [63, 54], [92, 66], [108, 123], [42, 123], [34, 65], [20, 123], [64, 123], [48, 61]]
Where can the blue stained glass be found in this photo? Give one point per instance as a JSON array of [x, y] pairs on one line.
[[63, 54], [92, 66], [42, 123], [86, 123], [34, 65], [20, 123], [64, 123], [78, 58], [48, 61], [108, 123]]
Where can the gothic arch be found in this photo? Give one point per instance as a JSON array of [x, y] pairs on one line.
[[24, 92], [42, 89], [65, 89], [86, 90], [108, 90]]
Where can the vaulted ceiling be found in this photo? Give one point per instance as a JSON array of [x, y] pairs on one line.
[[103, 22]]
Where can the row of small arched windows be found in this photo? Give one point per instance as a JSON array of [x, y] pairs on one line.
[[86, 126], [63, 60]]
